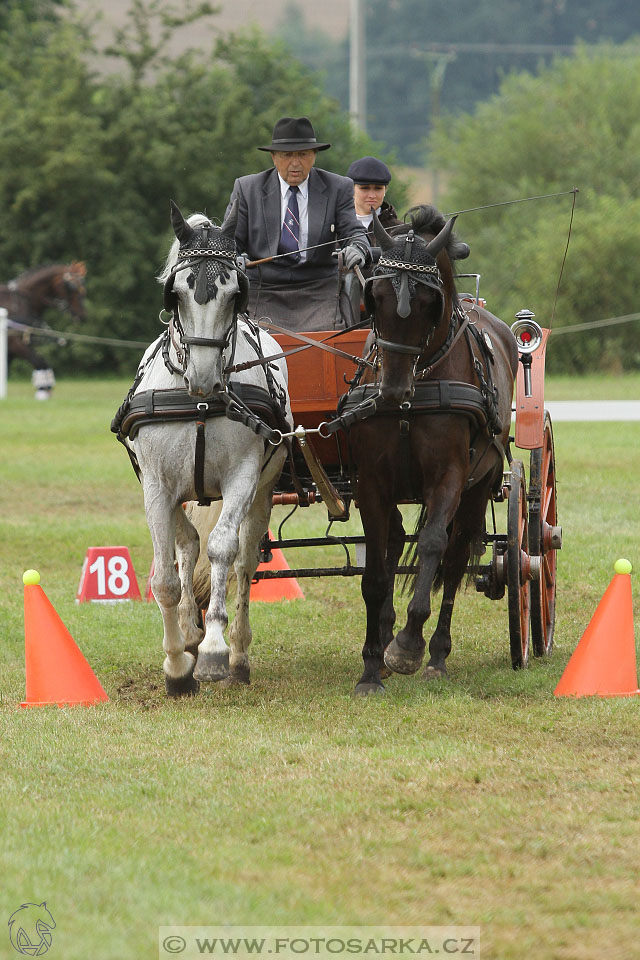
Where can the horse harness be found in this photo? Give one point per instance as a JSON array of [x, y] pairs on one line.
[[210, 256], [406, 270]]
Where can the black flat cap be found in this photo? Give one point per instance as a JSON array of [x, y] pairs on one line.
[[369, 170]]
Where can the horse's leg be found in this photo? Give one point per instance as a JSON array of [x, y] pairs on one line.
[[395, 547], [187, 551], [222, 548], [467, 528], [375, 584], [162, 517], [405, 653], [252, 529], [43, 378], [204, 520]]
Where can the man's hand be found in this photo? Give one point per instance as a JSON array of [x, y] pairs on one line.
[[353, 256]]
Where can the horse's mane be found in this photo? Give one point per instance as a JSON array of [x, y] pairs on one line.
[[425, 220], [195, 220]]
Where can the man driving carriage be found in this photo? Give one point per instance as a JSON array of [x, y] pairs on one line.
[[292, 217]]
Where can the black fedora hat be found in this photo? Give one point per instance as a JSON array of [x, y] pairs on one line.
[[294, 133]]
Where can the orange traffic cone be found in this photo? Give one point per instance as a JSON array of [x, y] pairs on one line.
[[57, 672], [604, 662], [268, 591]]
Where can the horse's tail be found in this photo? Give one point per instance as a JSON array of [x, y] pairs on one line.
[[410, 559], [204, 520]]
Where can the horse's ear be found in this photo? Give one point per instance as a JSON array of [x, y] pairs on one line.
[[459, 250], [439, 243], [380, 233], [228, 227], [181, 228]]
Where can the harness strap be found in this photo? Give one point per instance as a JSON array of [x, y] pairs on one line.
[[392, 347], [162, 406], [239, 412], [483, 372], [431, 396], [447, 347], [479, 457], [205, 342], [198, 466]]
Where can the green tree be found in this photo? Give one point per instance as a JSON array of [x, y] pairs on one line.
[[33, 10], [88, 163], [426, 58], [584, 132]]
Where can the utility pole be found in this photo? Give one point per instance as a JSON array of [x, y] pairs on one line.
[[439, 61], [357, 66]]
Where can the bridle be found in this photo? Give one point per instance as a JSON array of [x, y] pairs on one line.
[[212, 258], [406, 269]]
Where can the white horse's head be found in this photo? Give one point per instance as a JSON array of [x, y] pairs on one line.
[[204, 290]]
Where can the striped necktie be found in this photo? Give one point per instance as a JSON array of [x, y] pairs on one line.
[[290, 236]]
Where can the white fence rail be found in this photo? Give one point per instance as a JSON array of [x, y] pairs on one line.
[[4, 357]]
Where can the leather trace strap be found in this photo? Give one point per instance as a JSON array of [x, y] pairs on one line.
[[237, 410], [321, 344]]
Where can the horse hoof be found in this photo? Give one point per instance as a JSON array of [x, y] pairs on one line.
[[435, 673], [385, 673], [402, 661], [233, 681], [212, 667], [369, 690], [241, 673], [181, 686]]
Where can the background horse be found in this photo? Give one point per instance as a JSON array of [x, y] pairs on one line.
[[204, 291], [442, 460], [59, 286]]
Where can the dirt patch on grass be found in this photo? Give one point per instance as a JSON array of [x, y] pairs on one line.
[[145, 688]]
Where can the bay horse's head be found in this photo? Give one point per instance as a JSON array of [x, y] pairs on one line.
[[69, 289], [203, 291], [59, 285], [411, 295]]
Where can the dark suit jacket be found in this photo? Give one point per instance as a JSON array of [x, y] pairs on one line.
[[331, 215]]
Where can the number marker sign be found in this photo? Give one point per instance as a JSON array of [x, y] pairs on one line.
[[107, 576]]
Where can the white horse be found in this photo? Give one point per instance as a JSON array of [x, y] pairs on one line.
[[204, 289]]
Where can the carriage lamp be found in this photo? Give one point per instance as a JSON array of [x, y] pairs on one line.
[[528, 336]]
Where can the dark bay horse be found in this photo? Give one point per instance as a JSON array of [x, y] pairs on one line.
[[58, 286], [448, 459]]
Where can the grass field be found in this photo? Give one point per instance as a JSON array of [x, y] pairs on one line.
[[478, 801]]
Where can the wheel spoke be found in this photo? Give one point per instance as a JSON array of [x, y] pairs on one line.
[[518, 566], [543, 516]]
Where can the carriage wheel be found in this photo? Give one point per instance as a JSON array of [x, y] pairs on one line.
[[545, 537], [518, 567]]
